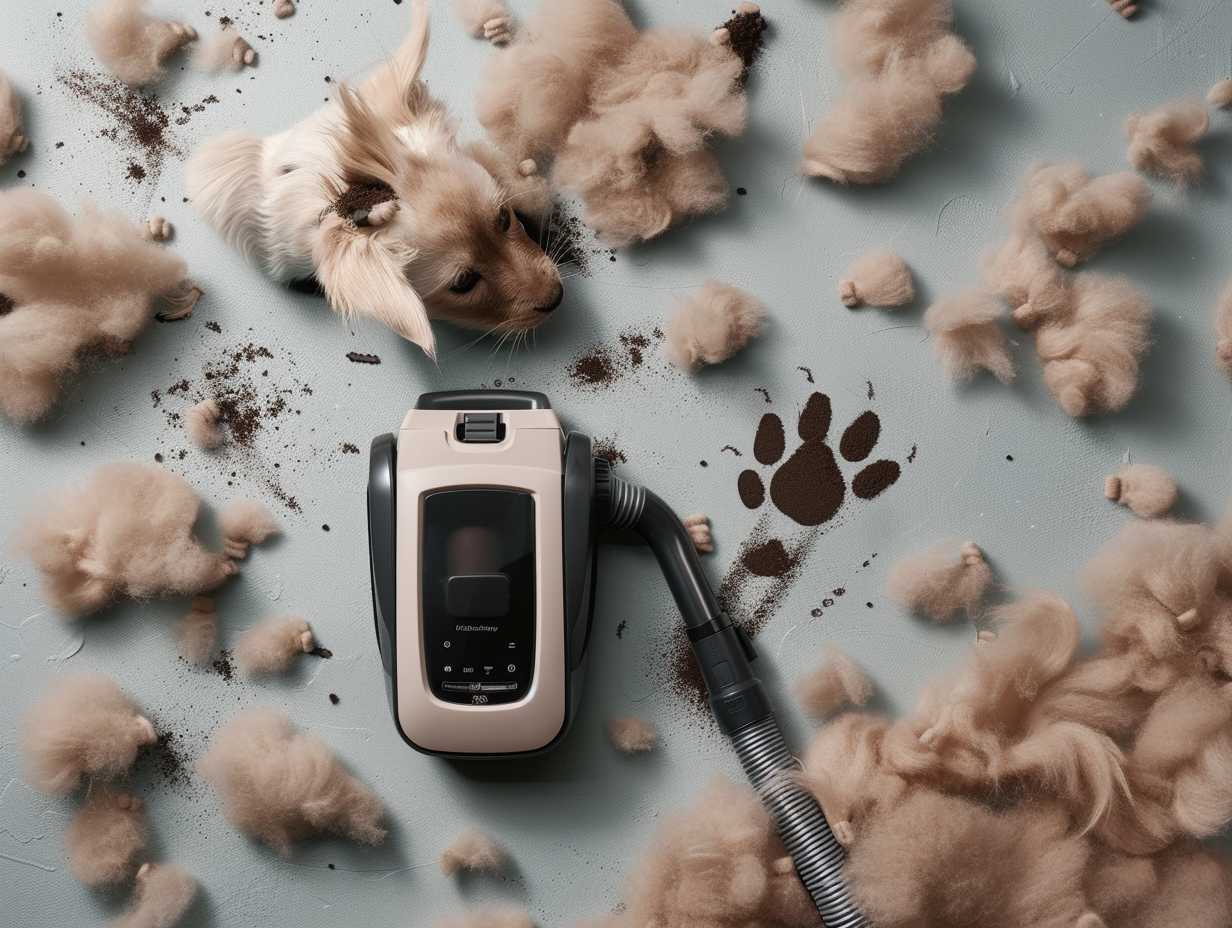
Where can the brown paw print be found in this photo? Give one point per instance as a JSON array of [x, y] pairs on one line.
[[809, 487]]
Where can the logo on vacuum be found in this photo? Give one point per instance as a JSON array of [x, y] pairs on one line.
[[475, 628]]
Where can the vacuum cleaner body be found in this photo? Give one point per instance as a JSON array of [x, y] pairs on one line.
[[482, 549]]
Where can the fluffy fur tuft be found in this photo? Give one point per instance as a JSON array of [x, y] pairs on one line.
[[712, 326], [131, 43], [879, 278], [942, 582], [1073, 214], [13, 139], [197, 633], [105, 838], [77, 286], [632, 735], [164, 893], [902, 60], [838, 682], [273, 645], [1163, 141], [967, 338], [1146, 490], [126, 531], [1223, 328], [85, 729], [226, 51], [201, 424], [485, 19], [245, 523], [700, 532], [475, 852], [284, 8], [1220, 94], [279, 785]]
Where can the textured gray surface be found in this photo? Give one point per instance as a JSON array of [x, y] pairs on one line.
[[1056, 79]]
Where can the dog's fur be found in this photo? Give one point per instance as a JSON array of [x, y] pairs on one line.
[[450, 220]]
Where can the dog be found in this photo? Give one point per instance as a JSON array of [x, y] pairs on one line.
[[374, 196]]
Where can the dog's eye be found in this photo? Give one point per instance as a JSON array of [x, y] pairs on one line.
[[505, 219], [465, 282]]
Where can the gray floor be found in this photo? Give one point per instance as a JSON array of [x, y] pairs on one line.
[[1001, 465]]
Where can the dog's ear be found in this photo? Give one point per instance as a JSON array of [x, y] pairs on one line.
[[367, 148], [363, 273], [394, 90]]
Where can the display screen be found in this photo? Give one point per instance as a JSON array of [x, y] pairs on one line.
[[478, 594]]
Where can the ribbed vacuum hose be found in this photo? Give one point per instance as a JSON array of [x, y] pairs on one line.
[[736, 696], [804, 830]]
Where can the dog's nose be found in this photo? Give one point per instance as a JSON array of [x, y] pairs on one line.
[[560, 295]]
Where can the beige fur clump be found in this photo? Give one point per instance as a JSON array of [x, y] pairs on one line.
[[197, 632], [245, 523], [1075, 215], [475, 852], [273, 645], [632, 735], [84, 730], [838, 682], [1220, 94], [164, 893], [226, 51], [700, 532], [1163, 141], [201, 424], [967, 338], [284, 8], [132, 44], [1127, 8], [126, 531], [1223, 328], [1146, 490], [485, 19], [13, 139], [77, 286], [279, 785], [942, 582], [712, 325], [879, 278], [105, 838], [488, 918], [528, 190], [902, 59]]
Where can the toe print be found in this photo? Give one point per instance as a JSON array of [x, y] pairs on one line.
[[809, 487]]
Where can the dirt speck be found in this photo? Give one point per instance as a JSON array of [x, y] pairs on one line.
[[358, 357]]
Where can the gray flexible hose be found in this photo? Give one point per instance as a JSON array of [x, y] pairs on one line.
[[813, 848]]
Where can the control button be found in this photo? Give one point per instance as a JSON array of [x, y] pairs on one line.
[[448, 644], [512, 645], [449, 668], [487, 669], [512, 668], [468, 669]]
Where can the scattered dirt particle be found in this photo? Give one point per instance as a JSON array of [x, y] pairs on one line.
[[733, 449], [349, 448], [358, 199], [764, 392], [607, 449], [911, 456], [808, 374], [601, 366], [169, 762], [334, 700], [741, 192], [747, 33], [321, 652], [620, 628], [214, 327], [325, 528], [223, 667], [358, 357], [768, 559]]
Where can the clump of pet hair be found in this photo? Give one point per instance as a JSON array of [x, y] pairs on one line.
[[76, 286], [197, 632], [272, 646], [942, 582], [1220, 95], [1162, 141], [1146, 490], [700, 533], [718, 863], [84, 730], [638, 160], [279, 785], [1127, 8], [536, 88], [1091, 345], [475, 852], [245, 523], [631, 735], [838, 682], [105, 838], [488, 918], [1024, 274], [159, 229], [1075, 215], [967, 338], [284, 8], [712, 326], [201, 424], [132, 44], [226, 51], [164, 893], [879, 278], [13, 139], [485, 19], [1223, 328], [527, 190], [126, 531], [902, 58]]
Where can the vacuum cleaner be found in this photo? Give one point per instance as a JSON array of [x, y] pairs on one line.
[[483, 522]]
